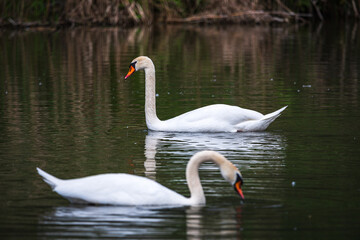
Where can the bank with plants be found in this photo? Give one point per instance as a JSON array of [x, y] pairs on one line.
[[32, 13]]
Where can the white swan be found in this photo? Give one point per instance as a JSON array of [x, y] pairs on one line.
[[212, 118], [126, 189]]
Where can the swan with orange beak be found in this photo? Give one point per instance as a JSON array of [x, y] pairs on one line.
[[211, 118]]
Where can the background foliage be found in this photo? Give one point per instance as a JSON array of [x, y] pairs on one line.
[[125, 12]]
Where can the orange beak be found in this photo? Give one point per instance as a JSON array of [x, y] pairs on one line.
[[238, 189], [131, 71]]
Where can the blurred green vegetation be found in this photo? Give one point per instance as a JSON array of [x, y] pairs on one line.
[[125, 12], [31, 10]]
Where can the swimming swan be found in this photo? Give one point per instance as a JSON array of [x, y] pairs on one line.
[[212, 118], [127, 189]]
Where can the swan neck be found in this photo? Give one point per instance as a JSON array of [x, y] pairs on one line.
[[197, 195], [150, 97]]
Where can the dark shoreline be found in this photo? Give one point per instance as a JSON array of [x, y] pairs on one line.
[[245, 17], [121, 13]]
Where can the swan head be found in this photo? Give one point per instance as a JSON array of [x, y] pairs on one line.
[[233, 176], [237, 185], [139, 63]]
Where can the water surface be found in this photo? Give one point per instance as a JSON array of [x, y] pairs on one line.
[[65, 107]]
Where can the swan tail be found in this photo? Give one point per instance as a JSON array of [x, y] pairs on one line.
[[49, 179], [259, 124], [272, 116]]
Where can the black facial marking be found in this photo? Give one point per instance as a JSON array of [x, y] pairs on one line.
[[132, 64], [239, 178]]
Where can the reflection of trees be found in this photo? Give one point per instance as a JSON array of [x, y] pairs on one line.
[[63, 68], [62, 89], [324, 59], [73, 77], [74, 64], [239, 64]]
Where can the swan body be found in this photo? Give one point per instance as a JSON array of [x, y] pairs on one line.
[[212, 118], [127, 189]]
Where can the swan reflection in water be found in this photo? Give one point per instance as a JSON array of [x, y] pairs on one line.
[[141, 222], [245, 150], [101, 221], [224, 222]]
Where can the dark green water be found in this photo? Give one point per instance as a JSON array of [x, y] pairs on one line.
[[65, 107]]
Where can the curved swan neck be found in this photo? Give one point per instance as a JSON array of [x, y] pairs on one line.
[[150, 96], [192, 174]]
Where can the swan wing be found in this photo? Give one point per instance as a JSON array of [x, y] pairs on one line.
[[220, 112], [212, 118], [219, 118]]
